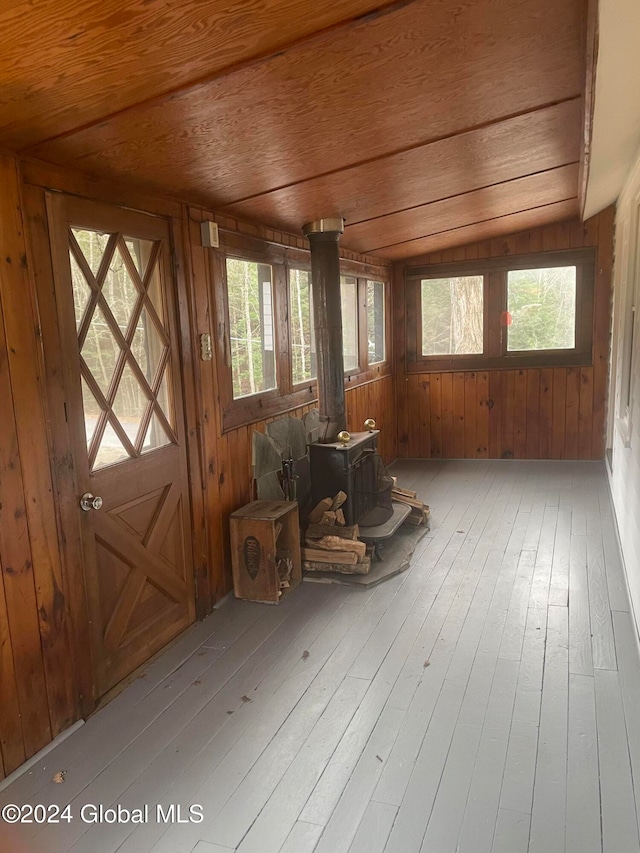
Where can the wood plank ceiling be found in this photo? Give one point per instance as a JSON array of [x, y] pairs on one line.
[[425, 124]]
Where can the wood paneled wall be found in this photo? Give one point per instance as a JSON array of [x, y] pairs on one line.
[[45, 666], [44, 663], [553, 413]]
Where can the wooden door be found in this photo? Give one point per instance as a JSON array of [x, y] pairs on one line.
[[116, 310]]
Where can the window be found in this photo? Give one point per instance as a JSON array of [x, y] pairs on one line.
[[266, 357], [542, 309], [349, 295], [375, 322], [125, 348], [528, 310], [251, 327], [452, 315], [303, 341]]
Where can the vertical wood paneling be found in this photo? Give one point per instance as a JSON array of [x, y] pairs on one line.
[[34, 586], [550, 238], [458, 416], [435, 414], [536, 240], [495, 414], [530, 413], [533, 414], [559, 412], [205, 487], [482, 405], [545, 418], [508, 397], [446, 408], [12, 747], [192, 394], [426, 409], [470, 416], [416, 392], [19, 587], [572, 413], [523, 243], [520, 414], [585, 413]]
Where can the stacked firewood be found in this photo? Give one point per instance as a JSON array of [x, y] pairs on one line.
[[330, 544], [419, 511]]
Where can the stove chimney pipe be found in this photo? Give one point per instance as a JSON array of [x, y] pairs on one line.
[[324, 236]]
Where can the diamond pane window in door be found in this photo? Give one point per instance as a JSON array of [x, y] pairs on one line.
[[140, 251], [156, 435], [111, 449], [156, 294], [81, 289], [100, 351], [120, 291], [129, 279], [164, 396], [130, 403], [92, 245], [147, 346], [92, 411]]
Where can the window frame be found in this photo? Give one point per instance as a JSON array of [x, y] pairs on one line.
[[385, 318], [495, 336], [313, 381], [266, 392], [362, 363], [287, 395]]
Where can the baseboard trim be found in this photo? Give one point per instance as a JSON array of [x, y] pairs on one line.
[[28, 764]]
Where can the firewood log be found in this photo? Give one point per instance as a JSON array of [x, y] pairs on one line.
[[403, 499], [338, 500], [328, 518], [362, 568], [408, 493], [317, 531], [335, 543], [318, 511], [319, 556]]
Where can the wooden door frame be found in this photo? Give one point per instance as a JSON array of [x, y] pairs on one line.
[[37, 179]]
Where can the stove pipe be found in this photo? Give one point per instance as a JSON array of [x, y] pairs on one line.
[[324, 236]]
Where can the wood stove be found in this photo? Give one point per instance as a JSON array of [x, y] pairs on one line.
[[356, 469]]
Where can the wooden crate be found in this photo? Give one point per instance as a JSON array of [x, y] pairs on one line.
[[261, 533]]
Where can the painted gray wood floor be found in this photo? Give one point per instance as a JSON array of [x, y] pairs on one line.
[[485, 700]]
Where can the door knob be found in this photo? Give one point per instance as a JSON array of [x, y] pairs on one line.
[[89, 502]]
